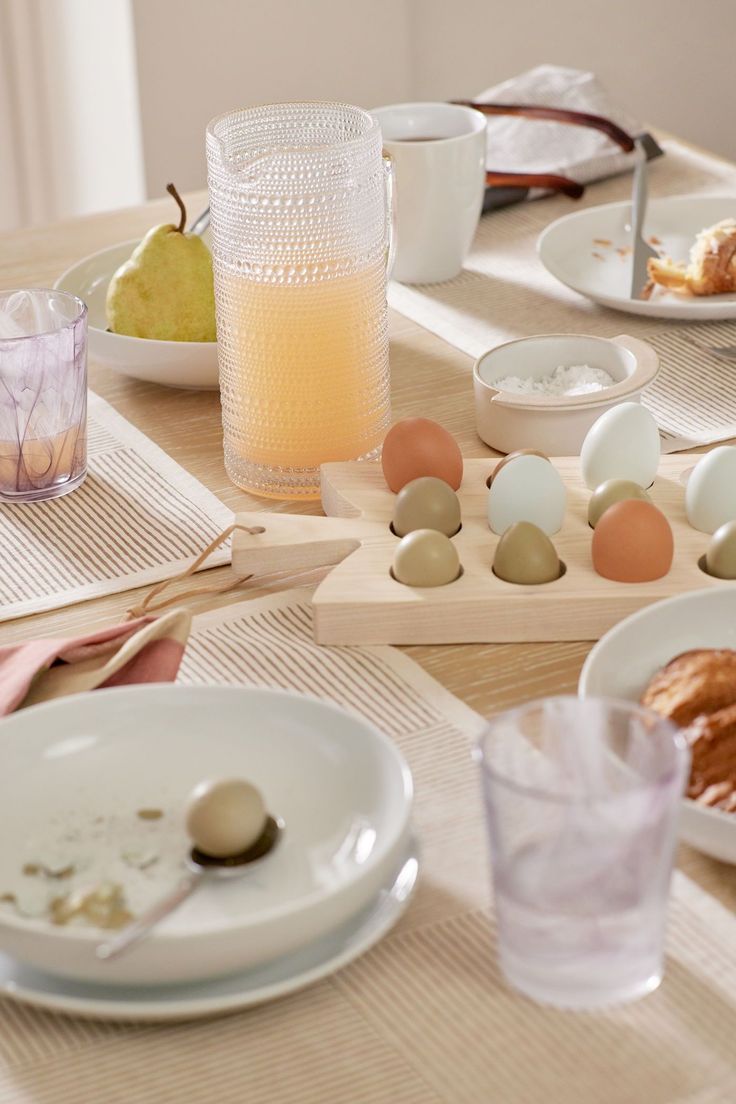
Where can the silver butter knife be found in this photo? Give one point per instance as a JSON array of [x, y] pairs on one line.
[[642, 250]]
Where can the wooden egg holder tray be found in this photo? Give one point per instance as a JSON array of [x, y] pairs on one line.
[[360, 603]]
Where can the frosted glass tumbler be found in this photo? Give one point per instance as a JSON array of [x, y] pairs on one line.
[[300, 203], [43, 394], [582, 800]]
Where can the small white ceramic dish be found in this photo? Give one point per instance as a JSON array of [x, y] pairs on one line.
[[571, 250], [196, 1000], [622, 662], [187, 364], [77, 770], [556, 425]]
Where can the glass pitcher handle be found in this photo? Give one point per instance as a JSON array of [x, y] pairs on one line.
[[389, 178]]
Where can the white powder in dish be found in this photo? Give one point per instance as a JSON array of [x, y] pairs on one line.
[[578, 379]]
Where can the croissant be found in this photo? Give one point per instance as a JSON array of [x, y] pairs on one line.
[[697, 691], [697, 682], [712, 266]]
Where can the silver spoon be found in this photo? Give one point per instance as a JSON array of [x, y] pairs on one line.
[[199, 867], [201, 223]]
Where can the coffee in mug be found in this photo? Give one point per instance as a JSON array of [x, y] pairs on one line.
[[439, 153]]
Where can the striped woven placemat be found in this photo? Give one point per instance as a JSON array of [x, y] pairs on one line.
[[424, 1017], [505, 292], [138, 518]]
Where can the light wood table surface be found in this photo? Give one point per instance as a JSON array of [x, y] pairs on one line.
[[429, 378]]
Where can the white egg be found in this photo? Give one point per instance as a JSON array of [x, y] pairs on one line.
[[622, 444], [529, 488], [710, 495]]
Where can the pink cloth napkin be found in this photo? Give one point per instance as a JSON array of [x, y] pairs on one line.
[[148, 649]]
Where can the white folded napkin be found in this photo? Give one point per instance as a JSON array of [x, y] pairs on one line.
[[530, 146]]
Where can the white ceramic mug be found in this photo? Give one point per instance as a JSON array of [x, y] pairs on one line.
[[438, 150]]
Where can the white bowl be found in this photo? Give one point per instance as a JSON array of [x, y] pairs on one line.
[[341, 787], [623, 661], [556, 425], [188, 364]]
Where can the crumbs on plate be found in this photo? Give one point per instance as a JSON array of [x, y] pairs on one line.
[[92, 869]]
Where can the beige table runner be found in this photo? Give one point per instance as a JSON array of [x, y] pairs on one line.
[[139, 517], [423, 1018], [504, 292]]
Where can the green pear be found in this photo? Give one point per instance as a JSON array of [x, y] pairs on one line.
[[166, 290]]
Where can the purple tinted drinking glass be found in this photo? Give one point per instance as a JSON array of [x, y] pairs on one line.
[[43, 394], [582, 799]]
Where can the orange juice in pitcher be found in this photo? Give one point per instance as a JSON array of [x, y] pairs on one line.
[[299, 197]]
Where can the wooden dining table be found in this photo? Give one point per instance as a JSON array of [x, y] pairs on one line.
[[429, 378]]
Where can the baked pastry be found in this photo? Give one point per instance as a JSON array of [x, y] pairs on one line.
[[692, 684], [712, 266], [697, 691], [712, 740]]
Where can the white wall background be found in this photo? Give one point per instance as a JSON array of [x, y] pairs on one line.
[[70, 124], [103, 101], [228, 53]]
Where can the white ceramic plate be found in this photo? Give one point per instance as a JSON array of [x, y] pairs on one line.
[[77, 770], [567, 248], [212, 998], [187, 364], [622, 662]]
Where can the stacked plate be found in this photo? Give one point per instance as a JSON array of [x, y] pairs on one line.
[[93, 789]]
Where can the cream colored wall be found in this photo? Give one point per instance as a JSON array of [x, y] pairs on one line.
[[667, 61], [74, 113], [69, 121], [199, 59], [670, 62]]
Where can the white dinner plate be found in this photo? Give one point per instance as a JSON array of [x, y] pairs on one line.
[[77, 772], [570, 249], [624, 660], [163, 1003]]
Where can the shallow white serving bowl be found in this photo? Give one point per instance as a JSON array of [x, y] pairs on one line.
[[622, 662], [188, 364], [556, 425], [567, 249], [342, 788]]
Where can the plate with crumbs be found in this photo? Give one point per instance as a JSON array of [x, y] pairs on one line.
[[590, 252]]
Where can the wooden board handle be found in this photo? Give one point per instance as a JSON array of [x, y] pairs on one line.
[[296, 542]]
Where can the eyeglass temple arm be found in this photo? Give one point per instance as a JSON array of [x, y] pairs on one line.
[[548, 114]]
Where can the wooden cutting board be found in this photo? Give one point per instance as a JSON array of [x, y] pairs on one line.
[[360, 603]]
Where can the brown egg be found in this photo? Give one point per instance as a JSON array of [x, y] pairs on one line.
[[512, 456], [526, 555], [425, 558], [416, 447], [426, 503], [632, 543]]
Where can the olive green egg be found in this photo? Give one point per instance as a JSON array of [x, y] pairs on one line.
[[426, 558], [526, 555], [720, 559], [426, 503], [611, 492]]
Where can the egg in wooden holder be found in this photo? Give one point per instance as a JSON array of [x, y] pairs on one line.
[[358, 601]]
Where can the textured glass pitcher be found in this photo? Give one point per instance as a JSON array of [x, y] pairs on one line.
[[300, 198]]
